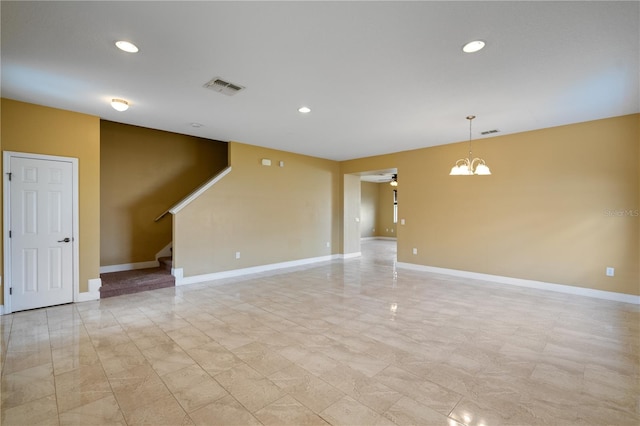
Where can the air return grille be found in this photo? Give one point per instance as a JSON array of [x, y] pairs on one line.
[[219, 85], [488, 132]]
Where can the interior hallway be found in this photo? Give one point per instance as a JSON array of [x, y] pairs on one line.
[[352, 342]]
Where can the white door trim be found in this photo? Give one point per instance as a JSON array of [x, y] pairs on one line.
[[6, 209]]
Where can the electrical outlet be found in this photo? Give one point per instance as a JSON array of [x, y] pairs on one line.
[[237, 255], [328, 244], [610, 272], [415, 250]]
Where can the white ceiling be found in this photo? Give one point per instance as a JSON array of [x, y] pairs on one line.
[[379, 77]]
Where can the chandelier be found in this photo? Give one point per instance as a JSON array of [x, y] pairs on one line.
[[468, 166]]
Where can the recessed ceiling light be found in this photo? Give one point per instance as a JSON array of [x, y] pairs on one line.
[[119, 104], [127, 46], [473, 46], [304, 109]]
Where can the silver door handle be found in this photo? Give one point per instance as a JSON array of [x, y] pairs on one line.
[[66, 240]]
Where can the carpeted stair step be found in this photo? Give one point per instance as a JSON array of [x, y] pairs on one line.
[[129, 282], [166, 262]]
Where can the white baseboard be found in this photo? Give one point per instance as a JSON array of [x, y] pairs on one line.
[[180, 280], [178, 273], [519, 282], [349, 255], [93, 293], [129, 266]]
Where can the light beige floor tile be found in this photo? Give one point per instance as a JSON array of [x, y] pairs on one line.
[[81, 386], [162, 412], [361, 362], [193, 387], [288, 412], [365, 390], [348, 411], [189, 337], [317, 363], [260, 358], [63, 339], [108, 336], [16, 361], [495, 353], [594, 412], [29, 340], [431, 394], [138, 387], [224, 412], [228, 337], [41, 411], [214, 358], [27, 385], [70, 357], [118, 358], [407, 412], [104, 411], [308, 389], [251, 388], [496, 412], [166, 358], [147, 337]]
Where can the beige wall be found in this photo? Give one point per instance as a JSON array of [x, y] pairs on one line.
[[368, 209], [351, 214], [543, 215], [385, 226], [376, 210], [143, 173], [550, 211], [269, 214], [41, 130]]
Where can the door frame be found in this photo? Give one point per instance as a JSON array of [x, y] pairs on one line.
[[6, 215]]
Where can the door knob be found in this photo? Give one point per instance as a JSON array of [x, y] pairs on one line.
[[66, 240]]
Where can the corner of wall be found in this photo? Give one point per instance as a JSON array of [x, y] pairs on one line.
[[93, 293], [178, 273]]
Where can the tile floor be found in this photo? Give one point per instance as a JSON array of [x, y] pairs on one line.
[[352, 342]]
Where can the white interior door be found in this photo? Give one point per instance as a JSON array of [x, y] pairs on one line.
[[41, 232]]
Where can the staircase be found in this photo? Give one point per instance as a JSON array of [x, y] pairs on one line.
[[137, 280]]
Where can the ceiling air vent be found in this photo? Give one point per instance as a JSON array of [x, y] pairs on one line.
[[488, 132], [224, 87]]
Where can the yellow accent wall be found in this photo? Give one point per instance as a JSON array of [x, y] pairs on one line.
[[385, 226], [269, 214], [42, 130], [144, 172], [351, 214], [376, 210], [368, 209], [559, 207]]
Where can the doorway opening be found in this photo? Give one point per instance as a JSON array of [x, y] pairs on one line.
[[379, 203]]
